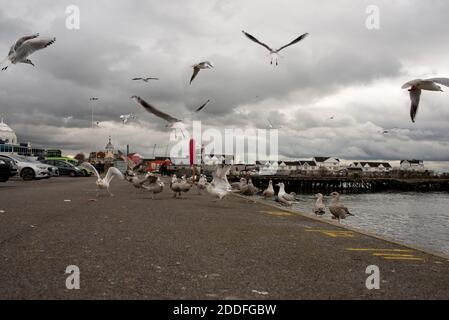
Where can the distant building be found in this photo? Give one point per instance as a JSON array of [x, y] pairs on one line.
[[292, 165], [308, 165], [9, 143], [413, 165], [214, 159], [106, 156], [330, 163], [372, 166], [7, 134]]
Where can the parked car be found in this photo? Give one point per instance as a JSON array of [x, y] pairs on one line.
[[5, 170], [29, 169], [64, 168], [54, 171], [12, 165], [74, 162]]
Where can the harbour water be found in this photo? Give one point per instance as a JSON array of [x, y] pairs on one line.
[[418, 219]]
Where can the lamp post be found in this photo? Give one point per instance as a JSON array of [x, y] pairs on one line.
[[92, 122]]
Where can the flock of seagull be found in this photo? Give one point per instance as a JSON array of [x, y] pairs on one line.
[[27, 45], [219, 187]]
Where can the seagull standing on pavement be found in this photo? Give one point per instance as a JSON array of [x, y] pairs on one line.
[[155, 187], [417, 85], [338, 210], [197, 67], [269, 192], [320, 208], [275, 52], [201, 183], [104, 183], [24, 47]]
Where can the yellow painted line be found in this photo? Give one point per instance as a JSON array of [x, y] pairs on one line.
[[403, 258], [278, 213], [392, 255], [335, 233], [367, 249]]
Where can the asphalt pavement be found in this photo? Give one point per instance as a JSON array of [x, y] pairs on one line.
[[132, 247]]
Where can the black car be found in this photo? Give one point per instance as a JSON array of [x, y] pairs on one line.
[[7, 169], [65, 168]]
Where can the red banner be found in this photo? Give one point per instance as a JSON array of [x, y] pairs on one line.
[[192, 152]]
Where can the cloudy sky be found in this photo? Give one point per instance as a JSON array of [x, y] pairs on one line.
[[342, 70]]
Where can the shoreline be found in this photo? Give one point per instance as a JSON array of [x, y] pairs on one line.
[[349, 228]]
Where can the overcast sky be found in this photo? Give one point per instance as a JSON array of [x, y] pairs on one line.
[[342, 70]]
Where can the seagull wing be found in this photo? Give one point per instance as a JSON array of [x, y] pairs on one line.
[[137, 78], [202, 106], [196, 69], [33, 45], [443, 81], [113, 172], [148, 107], [151, 78], [301, 37], [87, 165], [252, 38], [414, 97], [22, 40], [410, 83]]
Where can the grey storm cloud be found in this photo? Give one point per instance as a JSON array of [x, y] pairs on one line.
[[342, 70]]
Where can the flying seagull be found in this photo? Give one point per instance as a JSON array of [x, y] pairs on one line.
[[219, 187], [145, 79], [104, 183], [171, 121], [415, 91], [67, 119], [94, 99], [148, 107], [126, 117], [271, 125], [275, 52], [202, 106], [197, 67], [24, 47]]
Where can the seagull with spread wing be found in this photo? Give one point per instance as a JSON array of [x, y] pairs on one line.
[[104, 183], [275, 52], [271, 125], [67, 119], [144, 79], [126, 117], [171, 121], [151, 109], [197, 67], [417, 85], [24, 47], [220, 187]]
